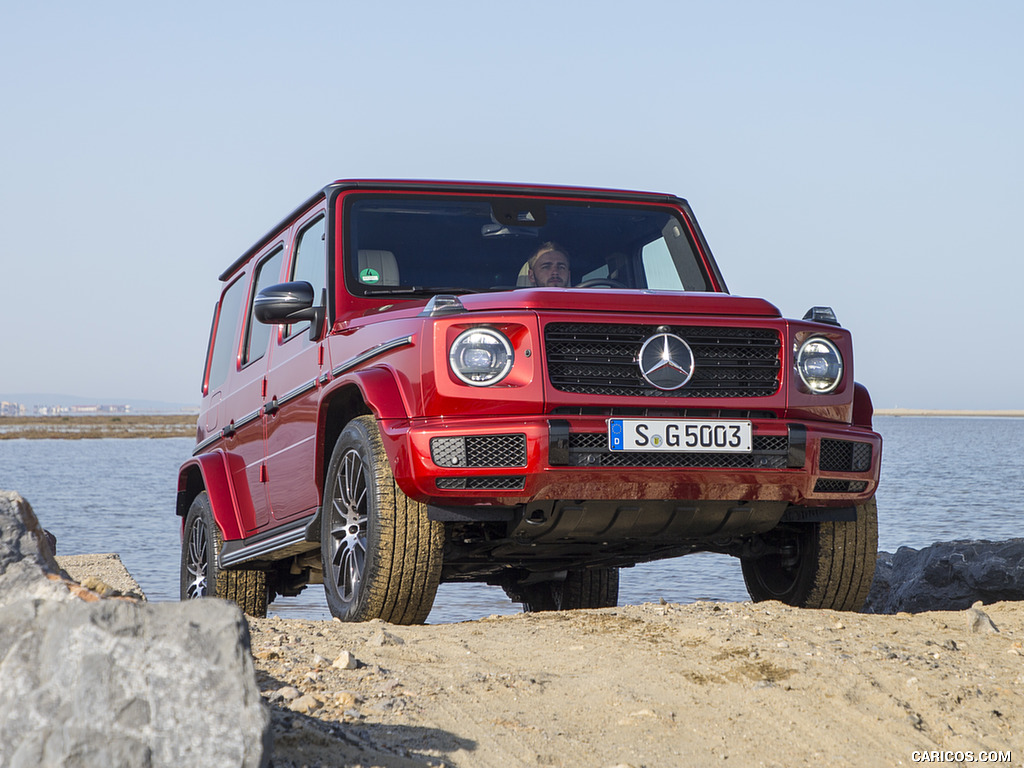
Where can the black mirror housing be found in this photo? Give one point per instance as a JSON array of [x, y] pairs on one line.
[[285, 303]]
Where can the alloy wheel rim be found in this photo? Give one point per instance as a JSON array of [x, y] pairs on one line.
[[197, 559], [780, 573], [348, 521]]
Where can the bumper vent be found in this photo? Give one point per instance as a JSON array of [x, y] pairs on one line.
[[844, 456], [479, 451], [500, 483], [840, 486], [601, 359]]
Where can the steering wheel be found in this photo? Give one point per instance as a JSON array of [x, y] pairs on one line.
[[606, 282]]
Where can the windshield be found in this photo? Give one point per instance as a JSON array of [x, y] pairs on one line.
[[420, 245]]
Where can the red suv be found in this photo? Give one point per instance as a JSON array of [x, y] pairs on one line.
[[410, 383]]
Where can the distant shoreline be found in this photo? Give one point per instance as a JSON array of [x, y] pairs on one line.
[[89, 427], [928, 412]]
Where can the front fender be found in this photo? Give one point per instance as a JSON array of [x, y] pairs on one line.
[[380, 391], [863, 409]]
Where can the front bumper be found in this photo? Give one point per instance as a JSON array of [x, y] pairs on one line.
[[514, 461]]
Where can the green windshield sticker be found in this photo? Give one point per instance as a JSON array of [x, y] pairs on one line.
[[369, 276]]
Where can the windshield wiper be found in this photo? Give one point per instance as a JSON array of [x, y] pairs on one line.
[[416, 290]]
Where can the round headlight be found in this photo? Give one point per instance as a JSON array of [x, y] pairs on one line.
[[481, 356], [820, 365]]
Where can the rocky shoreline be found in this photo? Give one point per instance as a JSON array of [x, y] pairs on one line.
[[753, 684]]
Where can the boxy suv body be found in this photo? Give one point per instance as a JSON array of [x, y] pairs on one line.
[[395, 396]]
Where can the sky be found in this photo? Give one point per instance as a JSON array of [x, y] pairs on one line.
[[864, 156]]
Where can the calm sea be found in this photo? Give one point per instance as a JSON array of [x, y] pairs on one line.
[[942, 479]]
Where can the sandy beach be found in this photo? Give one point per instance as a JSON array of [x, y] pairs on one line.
[[647, 686]]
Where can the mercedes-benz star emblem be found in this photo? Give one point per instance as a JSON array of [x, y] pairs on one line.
[[666, 361]]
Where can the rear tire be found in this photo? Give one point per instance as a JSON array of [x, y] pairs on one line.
[[381, 554], [582, 588], [200, 576], [823, 565]]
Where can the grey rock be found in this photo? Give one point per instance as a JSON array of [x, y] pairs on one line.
[[346, 660], [978, 621], [382, 638], [27, 566], [947, 576], [107, 568], [305, 704], [287, 693], [21, 535], [117, 682]]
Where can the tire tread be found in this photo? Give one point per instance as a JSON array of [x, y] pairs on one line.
[[404, 547], [840, 568]]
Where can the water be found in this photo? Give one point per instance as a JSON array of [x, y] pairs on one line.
[[942, 479]]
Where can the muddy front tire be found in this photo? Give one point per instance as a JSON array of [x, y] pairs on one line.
[[381, 555], [200, 576], [819, 565]]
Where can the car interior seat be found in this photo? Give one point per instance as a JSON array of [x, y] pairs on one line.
[[523, 281]]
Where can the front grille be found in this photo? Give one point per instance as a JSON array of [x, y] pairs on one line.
[[601, 359], [500, 483], [591, 450], [844, 456], [479, 451], [840, 486]]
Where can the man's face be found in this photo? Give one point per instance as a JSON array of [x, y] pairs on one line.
[[551, 270]]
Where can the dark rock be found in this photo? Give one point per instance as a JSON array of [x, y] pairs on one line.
[[947, 576]]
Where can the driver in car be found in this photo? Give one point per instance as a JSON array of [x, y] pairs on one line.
[[549, 267]]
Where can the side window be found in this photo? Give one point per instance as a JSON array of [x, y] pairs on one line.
[[660, 269], [223, 336], [671, 264], [309, 264], [257, 334]]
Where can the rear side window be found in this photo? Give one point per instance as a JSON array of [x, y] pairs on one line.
[[310, 264], [224, 336], [258, 334]]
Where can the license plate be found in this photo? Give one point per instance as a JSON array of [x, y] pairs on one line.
[[684, 436]]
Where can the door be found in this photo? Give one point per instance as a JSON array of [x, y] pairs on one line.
[[293, 386], [244, 427]]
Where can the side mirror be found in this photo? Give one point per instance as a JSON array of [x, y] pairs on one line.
[[288, 303]]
